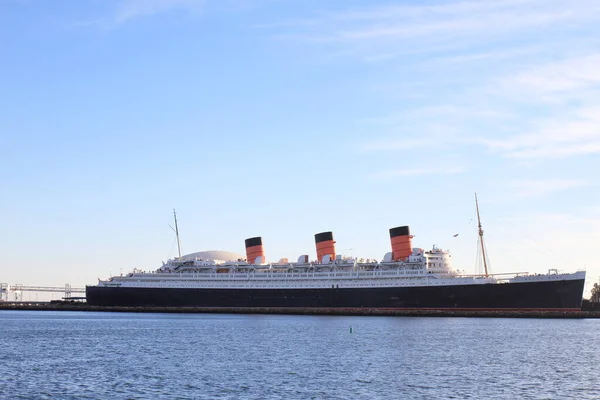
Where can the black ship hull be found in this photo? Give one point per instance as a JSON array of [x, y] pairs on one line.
[[538, 295]]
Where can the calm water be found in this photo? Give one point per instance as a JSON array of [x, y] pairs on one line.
[[78, 355]]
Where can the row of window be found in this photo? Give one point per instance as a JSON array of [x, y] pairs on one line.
[[308, 286]]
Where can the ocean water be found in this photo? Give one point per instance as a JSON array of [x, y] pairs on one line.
[[87, 355]]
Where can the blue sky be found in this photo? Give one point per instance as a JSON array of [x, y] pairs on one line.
[[282, 119]]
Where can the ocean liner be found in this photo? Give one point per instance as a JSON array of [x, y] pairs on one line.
[[406, 278]]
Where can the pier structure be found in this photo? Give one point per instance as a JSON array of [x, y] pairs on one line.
[[15, 292]]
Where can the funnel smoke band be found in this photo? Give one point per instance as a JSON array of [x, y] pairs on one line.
[[323, 236], [255, 241], [399, 231]]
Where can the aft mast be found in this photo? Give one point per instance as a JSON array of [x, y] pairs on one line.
[[177, 233], [481, 237]]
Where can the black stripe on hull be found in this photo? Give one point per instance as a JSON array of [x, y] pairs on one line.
[[566, 294]]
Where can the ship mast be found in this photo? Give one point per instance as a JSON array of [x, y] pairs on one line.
[[481, 237], [177, 233]]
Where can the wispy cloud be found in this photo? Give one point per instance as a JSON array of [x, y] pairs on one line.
[[401, 144], [130, 9], [430, 127], [563, 76], [590, 221], [557, 137], [554, 138], [487, 56], [124, 11], [450, 23], [570, 89], [538, 188], [418, 171], [429, 113], [505, 75]]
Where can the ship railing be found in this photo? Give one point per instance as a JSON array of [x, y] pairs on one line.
[[290, 275], [354, 274], [505, 274]]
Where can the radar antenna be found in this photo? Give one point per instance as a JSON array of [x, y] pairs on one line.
[[481, 237]]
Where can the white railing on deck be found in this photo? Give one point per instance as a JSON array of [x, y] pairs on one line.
[[281, 275], [293, 276]]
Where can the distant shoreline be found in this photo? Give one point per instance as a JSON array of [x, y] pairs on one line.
[[76, 306]]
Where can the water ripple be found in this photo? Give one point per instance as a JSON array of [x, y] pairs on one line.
[[62, 355]]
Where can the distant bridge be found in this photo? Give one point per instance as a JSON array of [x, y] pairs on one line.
[[15, 292]]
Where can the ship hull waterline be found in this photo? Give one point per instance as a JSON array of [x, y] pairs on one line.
[[542, 295]]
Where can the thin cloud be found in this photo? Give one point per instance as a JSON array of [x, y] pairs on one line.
[[486, 59], [436, 111], [418, 171], [442, 130], [486, 56], [569, 219], [448, 9], [565, 136], [130, 9], [399, 144], [539, 188], [557, 152], [460, 23], [562, 76], [558, 137]]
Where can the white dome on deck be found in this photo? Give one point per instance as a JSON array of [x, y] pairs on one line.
[[214, 255]]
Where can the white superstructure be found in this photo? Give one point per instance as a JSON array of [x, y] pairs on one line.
[[421, 268]]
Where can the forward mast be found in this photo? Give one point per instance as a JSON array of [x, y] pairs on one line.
[[481, 237], [177, 233]]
